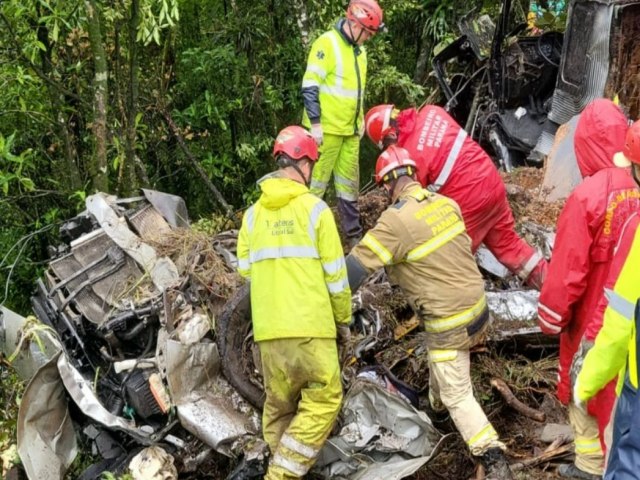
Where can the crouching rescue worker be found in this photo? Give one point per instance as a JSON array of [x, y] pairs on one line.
[[615, 351], [453, 164], [589, 227], [289, 247], [422, 243]]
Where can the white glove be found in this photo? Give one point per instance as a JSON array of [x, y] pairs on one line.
[[316, 133]]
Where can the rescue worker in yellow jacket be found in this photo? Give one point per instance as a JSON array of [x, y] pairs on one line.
[[288, 246], [615, 350], [333, 89], [422, 243]]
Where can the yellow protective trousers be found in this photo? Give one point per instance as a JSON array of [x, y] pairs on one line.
[[450, 387], [303, 398], [339, 154], [589, 455]]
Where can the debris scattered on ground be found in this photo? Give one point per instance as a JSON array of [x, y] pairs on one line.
[[371, 207], [517, 361], [525, 195]]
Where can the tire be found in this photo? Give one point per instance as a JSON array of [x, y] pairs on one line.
[[237, 349]]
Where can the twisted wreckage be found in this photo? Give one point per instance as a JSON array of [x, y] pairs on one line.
[[142, 349]]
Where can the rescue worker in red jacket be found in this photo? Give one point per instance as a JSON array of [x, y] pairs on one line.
[[615, 351], [588, 229], [453, 164], [421, 242]]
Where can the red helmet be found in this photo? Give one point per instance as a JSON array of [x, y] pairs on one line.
[[631, 151], [392, 159], [377, 123], [367, 13], [296, 143]]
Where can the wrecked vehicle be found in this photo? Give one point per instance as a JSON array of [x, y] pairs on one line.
[[132, 345], [512, 92], [144, 354], [502, 83], [133, 355]]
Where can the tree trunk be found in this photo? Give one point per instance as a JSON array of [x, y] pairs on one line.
[[302, 19], [67, 174], [128, 181], [422, 65], [98, 166]]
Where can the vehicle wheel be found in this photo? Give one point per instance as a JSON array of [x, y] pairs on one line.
[[239, 353]]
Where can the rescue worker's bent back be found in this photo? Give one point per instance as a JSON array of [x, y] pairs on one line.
[[422, 243]]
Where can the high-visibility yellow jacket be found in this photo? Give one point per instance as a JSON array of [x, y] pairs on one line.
[[290, 249], [614, 351], [334, 83], [422, 243]]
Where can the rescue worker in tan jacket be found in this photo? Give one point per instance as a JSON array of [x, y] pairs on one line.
[[422, 243]]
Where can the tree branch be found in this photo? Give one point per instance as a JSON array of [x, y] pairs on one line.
[[514, 403], [37, 70], [194, 163]]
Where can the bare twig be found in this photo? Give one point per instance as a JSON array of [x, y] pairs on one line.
[[514, 403], [22, 244], [543, 457], [194, 163]]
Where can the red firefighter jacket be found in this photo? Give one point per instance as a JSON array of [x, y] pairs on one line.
[[453, 164], [588, 229]]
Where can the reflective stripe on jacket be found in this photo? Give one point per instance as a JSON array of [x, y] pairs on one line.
[[422, 243], [290, 249], [615, 346], [588, 229], [453, 164], [334, 83]]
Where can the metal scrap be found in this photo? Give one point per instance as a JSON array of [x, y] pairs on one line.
[[381, 437], [163, 272]]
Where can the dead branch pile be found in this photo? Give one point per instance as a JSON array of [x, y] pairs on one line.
[[525, 195], [371, 207], [194, 256]]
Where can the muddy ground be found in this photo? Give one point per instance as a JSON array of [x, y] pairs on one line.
[[526, 197]]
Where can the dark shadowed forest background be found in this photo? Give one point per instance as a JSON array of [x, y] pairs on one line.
[[183, 96]]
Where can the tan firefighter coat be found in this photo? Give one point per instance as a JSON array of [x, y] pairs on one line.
[[422, 243]]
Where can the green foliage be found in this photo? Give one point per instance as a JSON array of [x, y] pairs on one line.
[[11, 389], [552, 21], [390, 84], [111, 476], [156, 15], [14, 169], [228, 72]]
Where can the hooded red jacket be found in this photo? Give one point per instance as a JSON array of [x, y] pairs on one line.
[[453, 164], [588, 229]]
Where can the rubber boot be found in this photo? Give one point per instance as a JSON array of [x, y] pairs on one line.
[[569, 470], [496, 465]]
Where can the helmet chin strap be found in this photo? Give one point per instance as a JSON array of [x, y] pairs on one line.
[[356, 40], [307, 181], [392, 187]]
